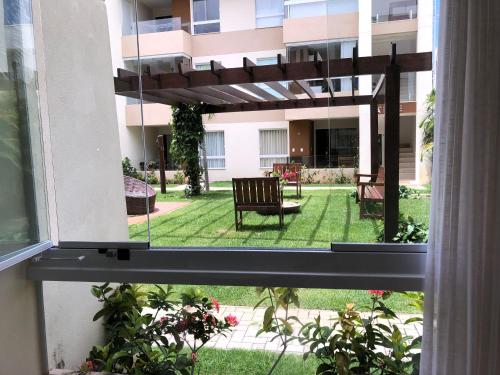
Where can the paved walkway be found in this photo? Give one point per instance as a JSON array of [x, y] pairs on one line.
[[161, 208], [244, 334]]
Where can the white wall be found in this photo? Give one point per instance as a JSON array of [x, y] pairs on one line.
[[79, 99], [242, 148], [235, 60]]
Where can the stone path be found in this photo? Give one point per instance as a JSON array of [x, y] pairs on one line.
[[161, 208], [244, 336]]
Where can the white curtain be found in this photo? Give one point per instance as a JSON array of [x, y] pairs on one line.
[[273, 147], [214, 143], [462, 317]]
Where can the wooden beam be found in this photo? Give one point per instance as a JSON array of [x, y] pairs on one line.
[[306, 88], [197, 96], [391, 152], [380, 83], [331, 89], [374, 150], [290, 104], [212, 91], [259, 91], [412, 62], [279, 88]]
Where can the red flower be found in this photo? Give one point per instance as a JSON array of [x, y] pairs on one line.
[[163, 320], [90, 365], [376, 292], [231, 320], [215, 303], [194, 356]]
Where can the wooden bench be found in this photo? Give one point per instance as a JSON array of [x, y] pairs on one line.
[[370, 191], [292, 172], [260, 194]]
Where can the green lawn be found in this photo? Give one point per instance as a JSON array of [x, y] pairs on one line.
[[251, 362], [326, 216]]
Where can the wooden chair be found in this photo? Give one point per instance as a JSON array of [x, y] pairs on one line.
[[294, 171], [260, 194], [371, 191]]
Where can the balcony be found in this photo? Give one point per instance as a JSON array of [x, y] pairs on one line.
[[388, 11], [160, 26], [175, 42]]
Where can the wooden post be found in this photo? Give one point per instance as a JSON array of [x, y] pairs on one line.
[[391, 152], [374, 137], [160, 140]]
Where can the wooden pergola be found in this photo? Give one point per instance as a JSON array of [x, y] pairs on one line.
[[242, 89]]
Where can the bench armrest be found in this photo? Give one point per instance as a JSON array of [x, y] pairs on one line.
[[359, 175], [370, 183]]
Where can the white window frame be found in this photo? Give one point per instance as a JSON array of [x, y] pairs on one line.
[[273, 156], [269, 15], [220, 157], [196, 23]]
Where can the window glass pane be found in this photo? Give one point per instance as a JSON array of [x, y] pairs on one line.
[[269, 13], [199, 10], [390, 10], [212, 10], [214, 144], [23, 218], [273, 147], [207, 28]]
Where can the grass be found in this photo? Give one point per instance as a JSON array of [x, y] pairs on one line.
[[251, 362], [326, 216], [321, 299]]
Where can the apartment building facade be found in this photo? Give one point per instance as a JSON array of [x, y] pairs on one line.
[[225, 31]]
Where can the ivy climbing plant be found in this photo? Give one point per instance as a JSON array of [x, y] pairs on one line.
[[187, 135]]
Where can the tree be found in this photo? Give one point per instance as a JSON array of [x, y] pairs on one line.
[[427, 125], [187, 135]]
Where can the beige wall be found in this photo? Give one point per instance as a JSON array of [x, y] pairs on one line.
[[21, 342], [309, 29], [394, 27], [165, 43], [237, 42], [237, 15], [154, 114]]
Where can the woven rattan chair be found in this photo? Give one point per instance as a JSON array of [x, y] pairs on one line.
[[135, 196]]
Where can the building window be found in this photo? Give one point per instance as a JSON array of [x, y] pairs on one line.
[[336, 147], [269, 13], [216, 154], [206, 16], [273, 147]]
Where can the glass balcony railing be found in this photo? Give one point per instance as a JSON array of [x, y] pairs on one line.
[[160, 25], [385, 11], [314, 8]]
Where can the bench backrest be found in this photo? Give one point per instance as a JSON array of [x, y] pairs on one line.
[[381, 174], [293, 169], [258, 191]]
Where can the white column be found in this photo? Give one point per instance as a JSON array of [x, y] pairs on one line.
[[425, 16], [365, 84]]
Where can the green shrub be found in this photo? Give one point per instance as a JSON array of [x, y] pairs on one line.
[[152, 179], [407, 193], [128, 169], [409, 231], [341, 178]]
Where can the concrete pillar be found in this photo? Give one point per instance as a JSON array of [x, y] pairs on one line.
[[425, 15], [365, 84], [76, 90]]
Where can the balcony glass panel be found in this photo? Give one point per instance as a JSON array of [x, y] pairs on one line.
[[160, 26], [312, 8], [386, 10]]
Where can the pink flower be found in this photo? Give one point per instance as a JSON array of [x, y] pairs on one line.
[[194, 356], [215, 303], [376, 292], [163, 320], [231, 320], [90, 365]]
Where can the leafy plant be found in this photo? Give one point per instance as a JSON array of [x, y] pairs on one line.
[[341, 178], [409, 231], [151, 178], [427, 125], [187, 135], [358, 345], [278, 299], [128, 169], [153, 343], [308, 175]]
